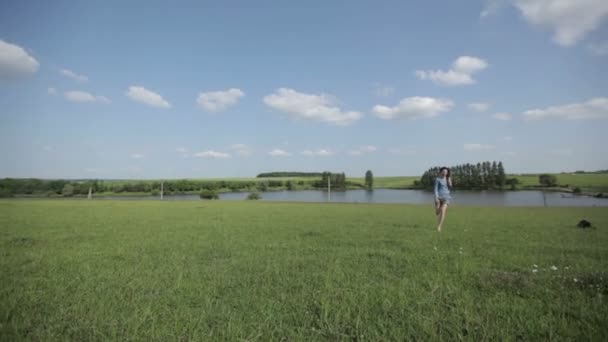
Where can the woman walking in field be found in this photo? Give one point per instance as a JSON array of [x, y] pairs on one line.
[[443, 183]]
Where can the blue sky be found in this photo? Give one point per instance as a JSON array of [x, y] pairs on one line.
[[151, 89]]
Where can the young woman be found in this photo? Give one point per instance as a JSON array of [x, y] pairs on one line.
[[443, 183]]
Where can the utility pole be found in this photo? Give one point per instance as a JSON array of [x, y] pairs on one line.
[[90, 193], [161, 190]]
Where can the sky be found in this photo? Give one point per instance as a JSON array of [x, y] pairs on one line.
[[201, 89]]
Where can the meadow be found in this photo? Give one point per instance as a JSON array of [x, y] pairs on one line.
[[76, 270]]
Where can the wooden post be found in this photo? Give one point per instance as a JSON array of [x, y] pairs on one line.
[[90, 193], [161, 190]]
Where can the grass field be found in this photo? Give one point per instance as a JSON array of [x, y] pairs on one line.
[[261, 271], [587, 181]]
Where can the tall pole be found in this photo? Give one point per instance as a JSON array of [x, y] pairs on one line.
[[90, 193], [161, 190]]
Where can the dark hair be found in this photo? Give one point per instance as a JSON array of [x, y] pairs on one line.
[[446, 168]]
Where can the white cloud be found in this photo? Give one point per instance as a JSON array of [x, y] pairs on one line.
[[592, 109], [477, 147], [383, 90], [414, 107], [15, 62], [241, 149], [83, 96], [598, 49], [460, 74], [570, 20], [491, 7], [70, 74], [52, 91], [310, 107], [216, 101], [212, 154], [502, 116], [317, 153], [479, 106], [279, 153], [143, 95], [363, 149], [137, 156], [402, 152]]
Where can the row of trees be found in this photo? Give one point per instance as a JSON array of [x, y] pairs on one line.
[[484, 175], [289, 174], [11, 186]]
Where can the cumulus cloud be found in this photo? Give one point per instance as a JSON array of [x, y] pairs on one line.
[[461, 72], [592, 109], [70, 74], [311, 107], [212, 154], [570, 20], [279, 153], [15, 62], [477, 147], [502, 116], [145, 96], [317, 153], [413, 107], [362, 150], [83, 96], [217, 101], [479, 106]]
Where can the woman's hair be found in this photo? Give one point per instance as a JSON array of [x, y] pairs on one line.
[[446, 168]]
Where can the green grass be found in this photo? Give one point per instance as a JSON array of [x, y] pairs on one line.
[[586, 181], [261, 271], [399, 182]]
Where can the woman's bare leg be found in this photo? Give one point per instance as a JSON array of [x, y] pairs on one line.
[[443, 210]]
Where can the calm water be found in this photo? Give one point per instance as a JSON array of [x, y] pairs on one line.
[[485, 198]]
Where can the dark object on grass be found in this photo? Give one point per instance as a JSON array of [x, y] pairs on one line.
[[584, 224]]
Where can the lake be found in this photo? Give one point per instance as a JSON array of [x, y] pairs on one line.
[[482, 198]]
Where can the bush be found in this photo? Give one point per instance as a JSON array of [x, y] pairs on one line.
[[209, 194], [577, 190], [254, 196], [547, 180], [155, 192]]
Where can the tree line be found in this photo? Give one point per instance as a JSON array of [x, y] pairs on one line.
[[289, 174], [41, 187], [483, 175]]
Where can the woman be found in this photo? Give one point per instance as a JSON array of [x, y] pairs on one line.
[[443, 183]]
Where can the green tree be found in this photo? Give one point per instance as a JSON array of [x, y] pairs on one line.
[[68, 190], [501, 177], [547, 180], [369, 179]]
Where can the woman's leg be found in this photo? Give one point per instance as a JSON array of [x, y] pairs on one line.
[[442, 212]]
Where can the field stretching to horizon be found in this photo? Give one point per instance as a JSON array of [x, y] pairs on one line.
[[258, 271]]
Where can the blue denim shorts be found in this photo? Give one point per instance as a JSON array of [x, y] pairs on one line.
[[445, 199]]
